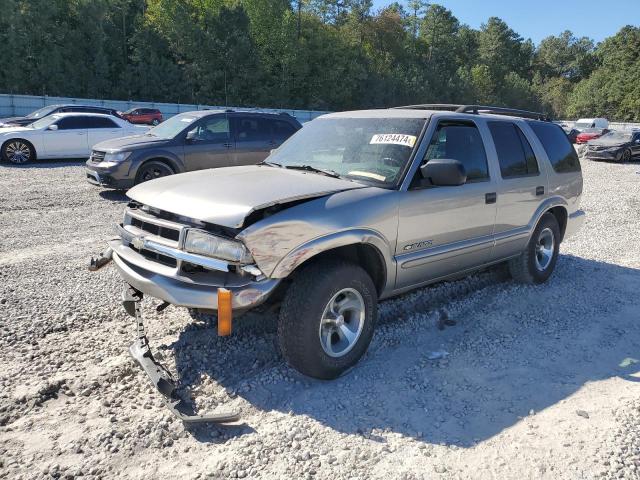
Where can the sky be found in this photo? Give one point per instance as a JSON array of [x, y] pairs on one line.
[[537, 19]]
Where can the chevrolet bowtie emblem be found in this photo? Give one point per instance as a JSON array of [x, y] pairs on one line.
[[137, 242]]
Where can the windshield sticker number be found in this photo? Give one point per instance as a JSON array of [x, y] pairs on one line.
[[393, 139]]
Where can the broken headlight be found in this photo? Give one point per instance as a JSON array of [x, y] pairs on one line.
[[203, 243]]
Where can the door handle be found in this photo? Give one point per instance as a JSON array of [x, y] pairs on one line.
[[490, 197], [539, 191]]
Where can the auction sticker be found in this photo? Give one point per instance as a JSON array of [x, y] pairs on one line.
[[393, 139]]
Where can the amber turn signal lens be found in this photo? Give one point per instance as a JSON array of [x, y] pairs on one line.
[[225, 313]]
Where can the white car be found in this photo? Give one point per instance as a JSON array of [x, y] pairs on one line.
[[63, 135]]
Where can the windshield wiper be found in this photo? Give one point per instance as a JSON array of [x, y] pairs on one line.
[[271, 164], [309, 168]]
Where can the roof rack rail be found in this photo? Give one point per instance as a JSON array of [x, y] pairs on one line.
[[477, 109]]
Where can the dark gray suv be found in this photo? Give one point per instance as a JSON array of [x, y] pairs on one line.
[[186, 142]]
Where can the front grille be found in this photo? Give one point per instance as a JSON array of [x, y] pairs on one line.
[[157, 230], [97, 156], [156, 257]]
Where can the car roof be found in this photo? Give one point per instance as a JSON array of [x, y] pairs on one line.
[[82, 114], [420, 114], [67, 105]]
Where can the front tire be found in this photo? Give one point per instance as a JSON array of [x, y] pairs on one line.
[[537, 262], [155, 122], [327, 318], [18, 151], [152, 170]]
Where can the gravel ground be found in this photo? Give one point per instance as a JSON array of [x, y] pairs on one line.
[[532, 382]]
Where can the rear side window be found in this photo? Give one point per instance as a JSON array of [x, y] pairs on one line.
[[73, 123], [514, 152], [252, 129], [561, 153], [282, 130], [100, 122], [460, 141]]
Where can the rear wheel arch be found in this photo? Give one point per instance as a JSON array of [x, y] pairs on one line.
[[561, 215]]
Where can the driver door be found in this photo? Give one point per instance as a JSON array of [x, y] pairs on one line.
[[444, 230], [208, 144]]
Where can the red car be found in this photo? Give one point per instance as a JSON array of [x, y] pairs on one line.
[[590, 134], [148, 116]]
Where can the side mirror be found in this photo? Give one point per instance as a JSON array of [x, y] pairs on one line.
[[444, 172], [191, 136], [53, 127]]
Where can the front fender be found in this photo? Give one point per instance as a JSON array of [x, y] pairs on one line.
[[310, 249]]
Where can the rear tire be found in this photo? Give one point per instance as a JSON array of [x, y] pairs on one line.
[[327, 318], [18, 151], [626, 156], [537, 262], [155, 122], [152, 170]]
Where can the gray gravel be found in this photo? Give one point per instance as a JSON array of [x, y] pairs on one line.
[[532, 382]]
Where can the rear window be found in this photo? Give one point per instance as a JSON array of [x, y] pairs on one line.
[[561, 153]]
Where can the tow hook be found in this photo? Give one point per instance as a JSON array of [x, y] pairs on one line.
[[159, 376], [97, 263]]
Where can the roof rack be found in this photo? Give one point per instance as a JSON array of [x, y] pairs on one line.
[[478, 109]]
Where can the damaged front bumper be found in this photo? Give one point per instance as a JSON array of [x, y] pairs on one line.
[[199, 291]]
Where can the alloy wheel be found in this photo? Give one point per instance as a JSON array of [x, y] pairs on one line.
[[342, 322], [18, 152], [154, 171], [545, 246]]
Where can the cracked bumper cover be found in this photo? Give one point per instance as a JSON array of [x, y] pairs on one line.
[[166, 284]]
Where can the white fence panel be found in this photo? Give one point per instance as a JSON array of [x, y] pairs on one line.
[[20, 105]]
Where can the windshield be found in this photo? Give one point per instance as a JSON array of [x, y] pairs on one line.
[[618, 136], [170, 128], [369, 150], [44, 122], [583, 125], [43, 112]]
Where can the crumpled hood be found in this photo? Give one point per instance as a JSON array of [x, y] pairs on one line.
[[225, 196], [131, 142]]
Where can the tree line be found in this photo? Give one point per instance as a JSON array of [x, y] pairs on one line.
[[308, 54]]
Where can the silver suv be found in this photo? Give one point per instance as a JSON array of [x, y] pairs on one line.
[[354, 208]]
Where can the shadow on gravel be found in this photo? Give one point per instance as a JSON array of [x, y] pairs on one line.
[[54, 163], [114, 195], [515, 350]]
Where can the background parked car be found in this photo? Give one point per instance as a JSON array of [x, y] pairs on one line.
[[147, 116], [53, 109], [619, 146], [590, 134], [189, 141], [572, 134], [585, 123], [62, 135]]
